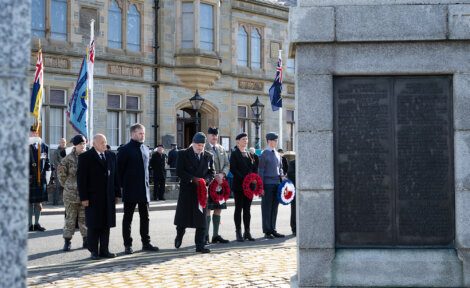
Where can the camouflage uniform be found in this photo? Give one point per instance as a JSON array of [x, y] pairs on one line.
[[67, 174]]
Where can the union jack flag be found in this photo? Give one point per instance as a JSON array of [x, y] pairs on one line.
[[36, 95], [276, 88]]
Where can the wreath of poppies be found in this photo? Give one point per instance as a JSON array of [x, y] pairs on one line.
[[286, 192], [201, 193], [219, 195], [252, 190]]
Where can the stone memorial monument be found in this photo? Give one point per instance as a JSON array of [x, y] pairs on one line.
[[383, 119], [15, 29]]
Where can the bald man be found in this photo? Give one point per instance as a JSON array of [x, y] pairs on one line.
[[99, 192]]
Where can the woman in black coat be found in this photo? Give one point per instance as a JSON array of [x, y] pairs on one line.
[[242, 163]]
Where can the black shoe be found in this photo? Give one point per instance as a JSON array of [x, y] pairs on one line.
[[85, 243], [268, 236], [247, 236], [107, 255], [128, 250], [31, 228], [38, 227], [203, 250], [294, 233], [94, 256], [219, 239], [67, 245], [150, 247], [278, 235], [238, 233], [178, 242]]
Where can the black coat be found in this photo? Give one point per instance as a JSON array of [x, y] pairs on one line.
[[38, 191], [285, 165], [187, 167], [157, 163], [98, 183], [291, 171], [172, 157], [240, 167], [131, 173]]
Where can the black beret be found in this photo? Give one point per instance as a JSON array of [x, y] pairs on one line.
[[241, 135], [213, 130], [77, 139], [271, 136], [159, 145], [199, 138]]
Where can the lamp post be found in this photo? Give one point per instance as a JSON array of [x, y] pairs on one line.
[[196, 102], [257, 109]]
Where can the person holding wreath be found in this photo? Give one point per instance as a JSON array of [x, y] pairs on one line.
[[242, 164], [221, 170]]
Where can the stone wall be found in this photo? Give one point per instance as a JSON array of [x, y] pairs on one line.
[[14, 99], [364, 37]]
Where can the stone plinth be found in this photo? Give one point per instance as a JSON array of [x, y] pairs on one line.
[[332, 38], [15, 29]]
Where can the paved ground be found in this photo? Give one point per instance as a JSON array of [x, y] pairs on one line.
[[263, 263]]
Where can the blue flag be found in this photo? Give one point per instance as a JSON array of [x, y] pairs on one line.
[[78, 107], [276, 88]]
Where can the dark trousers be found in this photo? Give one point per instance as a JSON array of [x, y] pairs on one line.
[[242, 203], [158, 187], [293, 222], [269, 205], [97, 236], [129, 209], [198, 238]]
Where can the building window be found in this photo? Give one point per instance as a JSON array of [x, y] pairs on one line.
[[249, 48], [51, 22], [59, 19], [113, 119], [246, 124], [55, 121], [291, 66], [38, 18], [207, 27], [114, 26], [290, 129], [255, 48], [133, 29], [187, 40], [242, 47], [132, 113]]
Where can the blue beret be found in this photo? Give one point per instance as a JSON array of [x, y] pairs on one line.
[[271, 136], [199, 138]]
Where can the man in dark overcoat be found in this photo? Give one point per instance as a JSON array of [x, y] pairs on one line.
[[193, 163], [133, 170], [99, 192], [172, 158], [157, 163], [38, 166]]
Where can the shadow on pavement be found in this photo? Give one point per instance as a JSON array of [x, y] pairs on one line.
[[44, 254], [47, 233]]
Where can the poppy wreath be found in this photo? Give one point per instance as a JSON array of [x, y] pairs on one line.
[[252, 190], [221, 195], [286, 192], [202, 193]]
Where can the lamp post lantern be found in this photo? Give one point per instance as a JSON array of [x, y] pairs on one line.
[[257, 108], [196, 102]]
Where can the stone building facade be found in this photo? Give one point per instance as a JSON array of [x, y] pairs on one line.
[[124, 64], [132, 83], [200, 47]]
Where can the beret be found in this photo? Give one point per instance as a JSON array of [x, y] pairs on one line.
[[213, 130], [199, 138], [77, 139], [241, 135], [271, 136]]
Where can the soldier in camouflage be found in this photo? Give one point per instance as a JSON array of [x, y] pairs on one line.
[[67, 174]]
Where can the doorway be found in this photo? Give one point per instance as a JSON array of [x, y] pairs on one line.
[[185, 127]]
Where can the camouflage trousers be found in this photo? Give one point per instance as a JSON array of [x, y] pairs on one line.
[[72, 212]]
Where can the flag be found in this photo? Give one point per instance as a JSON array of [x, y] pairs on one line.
[[36, 95], [276, 88], [91, 64], [78, 106]]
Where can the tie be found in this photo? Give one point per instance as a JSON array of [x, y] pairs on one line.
[[103, 159], [215, 151], [198, 157]]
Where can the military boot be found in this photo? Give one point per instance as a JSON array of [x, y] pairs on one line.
[[67, 244], [85, 243]]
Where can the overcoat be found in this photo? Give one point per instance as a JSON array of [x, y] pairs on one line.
[[133, 172], [240, 167], [188, 166], [37, 189], [157, 163], [97, 182]]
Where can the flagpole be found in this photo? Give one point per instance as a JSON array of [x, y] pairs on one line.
[[90, 63], [280, 113]]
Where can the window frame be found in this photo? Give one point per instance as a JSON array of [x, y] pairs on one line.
[[48, 22], [291, 124], [46, 114], [249, 27], [139, 11], [119, 113], [118, 4]]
